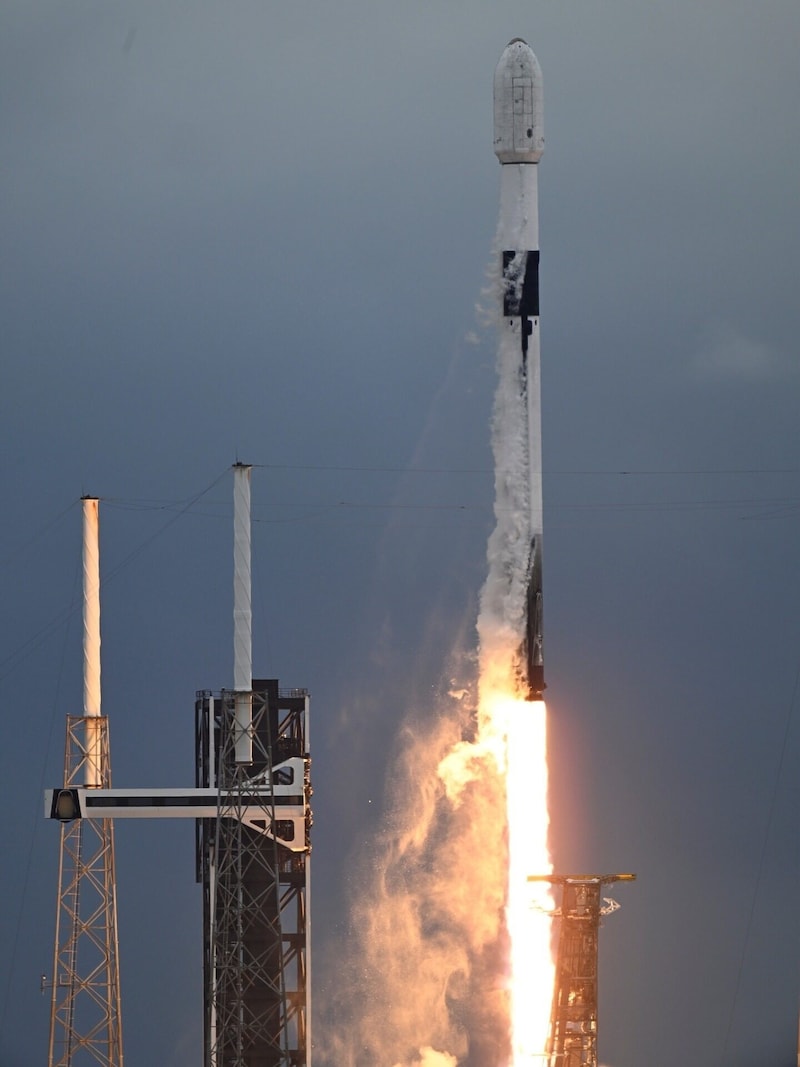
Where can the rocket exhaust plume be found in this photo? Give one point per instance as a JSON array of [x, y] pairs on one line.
[[451, 943], [511, 663]]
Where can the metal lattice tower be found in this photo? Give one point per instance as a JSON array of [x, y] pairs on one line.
[[85, 1021], [573, 1020], [251, 807], [255, 876], [253, 748]]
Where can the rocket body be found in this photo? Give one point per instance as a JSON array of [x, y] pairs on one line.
[[518, 144]]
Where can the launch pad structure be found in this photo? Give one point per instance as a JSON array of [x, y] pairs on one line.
[[251, 798], [253, 864], [573, 1019], [85, 1008], [251, 806]]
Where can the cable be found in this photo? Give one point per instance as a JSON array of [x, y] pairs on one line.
[[12, 661], [171, 522], [761, 863], [781, 506], [12, 555], [37, 807], [613, 472], [491, 470]]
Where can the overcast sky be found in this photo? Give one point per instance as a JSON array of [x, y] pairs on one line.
[[259, 231]]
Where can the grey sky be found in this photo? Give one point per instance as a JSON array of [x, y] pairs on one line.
[[260, 230]]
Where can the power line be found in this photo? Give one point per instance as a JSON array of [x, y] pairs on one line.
[[12, 661], [631, 472], [761, 862]]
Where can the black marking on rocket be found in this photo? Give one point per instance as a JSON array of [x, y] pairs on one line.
[[521, 284], [521, 300], [532, 651], [521, 290]]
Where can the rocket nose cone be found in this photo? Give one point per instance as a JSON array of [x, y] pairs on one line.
[[518, 126]]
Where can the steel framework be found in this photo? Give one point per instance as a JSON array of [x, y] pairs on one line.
[[85, 1020], [251, 803], [255, 877], [573, 1020]]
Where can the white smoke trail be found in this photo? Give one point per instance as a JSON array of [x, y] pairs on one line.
[[515, 726], [501, 621], [425, 936], [425, 982]]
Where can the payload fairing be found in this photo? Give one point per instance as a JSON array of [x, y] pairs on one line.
[[518, 144]]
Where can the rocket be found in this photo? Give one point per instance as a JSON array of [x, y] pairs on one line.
[[518, 145]]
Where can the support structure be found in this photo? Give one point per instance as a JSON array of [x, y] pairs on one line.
[[573, 1020], [251, 805], [254, 865], [253, 831], [85, 1018], [255, 877]]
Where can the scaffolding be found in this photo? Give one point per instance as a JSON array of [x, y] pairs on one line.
[[255, 875], [573, 1020], [253, 843], [85, 1020], [251, 806]]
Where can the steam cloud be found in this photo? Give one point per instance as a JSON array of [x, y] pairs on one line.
[[421, 984], [420, 987], [429, 1057]]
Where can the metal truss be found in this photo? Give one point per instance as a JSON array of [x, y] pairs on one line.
[[85, 1020], [573, 1020], [255, 877]]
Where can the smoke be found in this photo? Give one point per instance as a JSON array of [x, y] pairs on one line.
[[501, 621], [419, 987], [423, 982], [431, 1057]]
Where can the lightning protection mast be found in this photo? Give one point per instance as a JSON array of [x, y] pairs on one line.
[[253, 857], [85, 1020]]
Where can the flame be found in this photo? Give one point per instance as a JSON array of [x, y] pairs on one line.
[[447, 893], [521, 727]]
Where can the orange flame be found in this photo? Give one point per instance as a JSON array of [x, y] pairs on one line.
[[521, 727]]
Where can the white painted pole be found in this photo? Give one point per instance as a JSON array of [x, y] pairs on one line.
[[242, 616], [91, 641]]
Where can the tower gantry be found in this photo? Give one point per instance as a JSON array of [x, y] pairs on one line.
[[251, 805], [573, 1019]]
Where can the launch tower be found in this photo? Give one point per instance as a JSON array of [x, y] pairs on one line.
[[251, 805], [254, 865], [252, 747], [573, 1021]]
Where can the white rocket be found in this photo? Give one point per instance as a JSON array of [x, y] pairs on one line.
[[518, 144]]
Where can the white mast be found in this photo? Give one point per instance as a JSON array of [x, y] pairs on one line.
[[85, 1007], [91, 641], [242, 615]]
